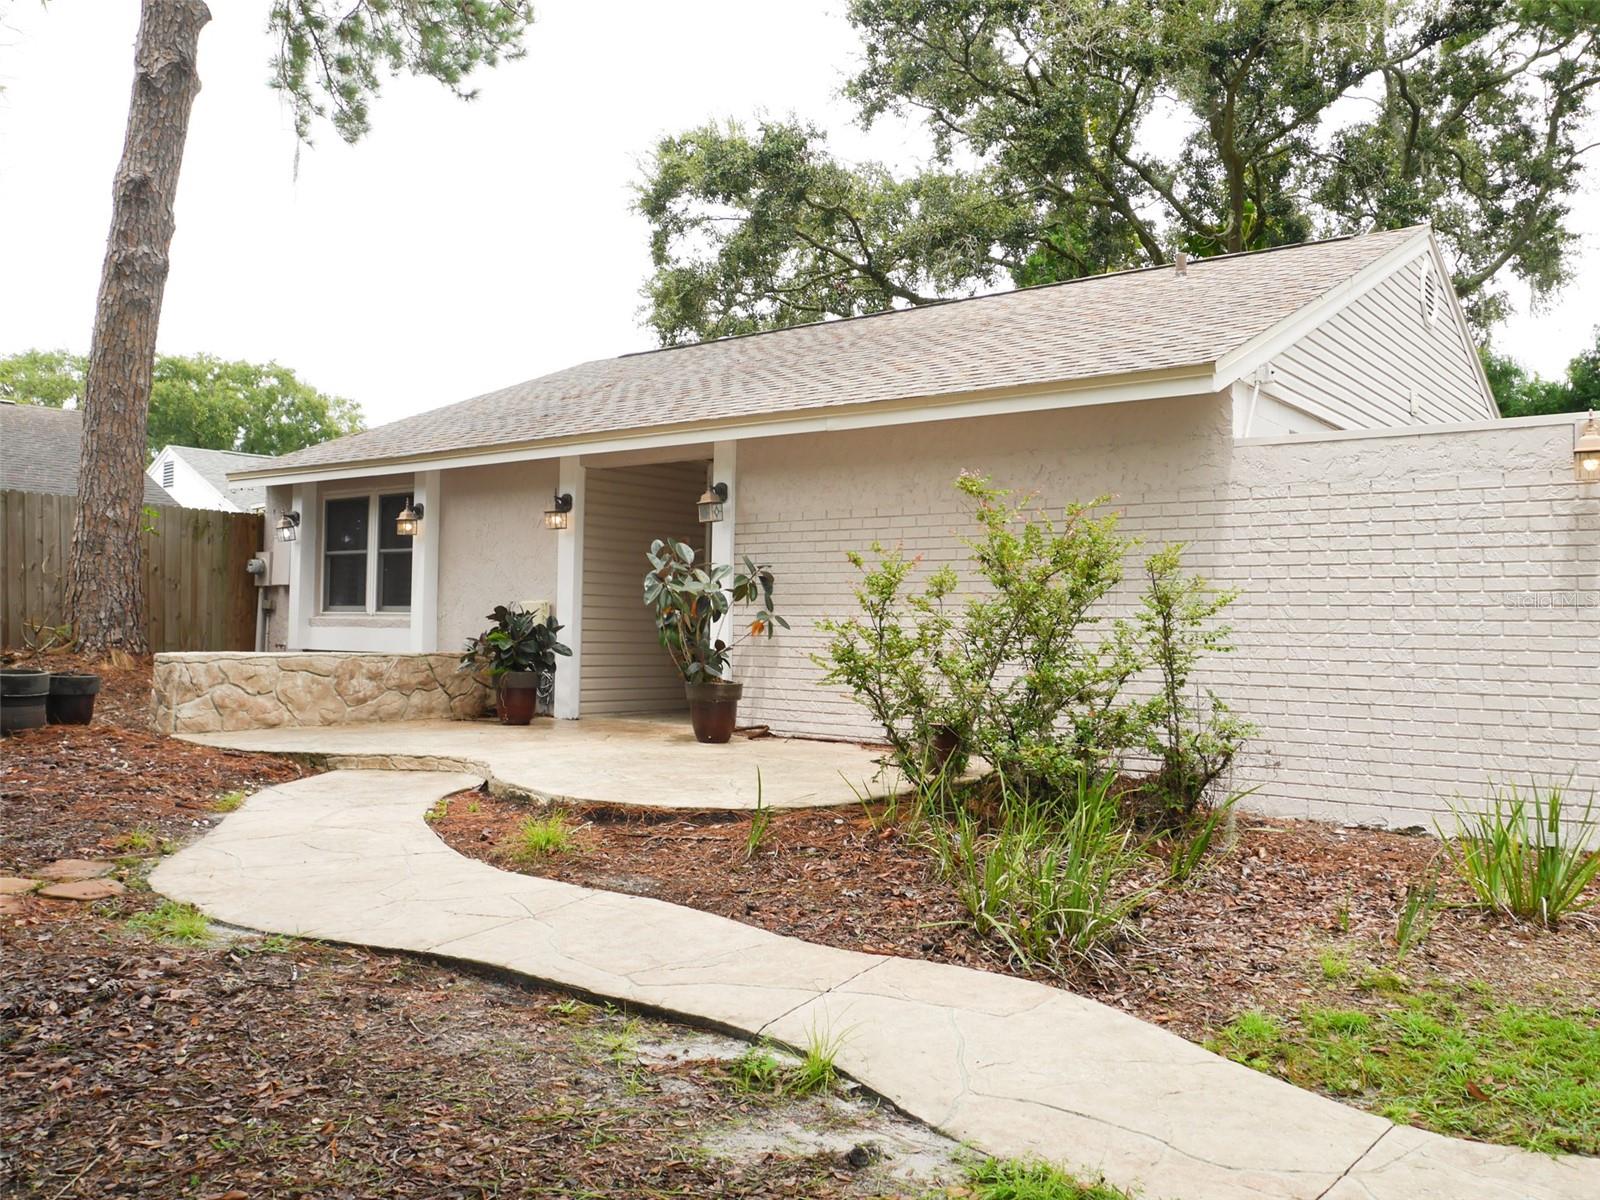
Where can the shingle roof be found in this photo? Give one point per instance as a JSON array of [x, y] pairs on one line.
[[1060, 333], [214, 465], [39, 451]]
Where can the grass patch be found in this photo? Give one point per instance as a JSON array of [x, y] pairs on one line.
[[1004, 1179], [172, 922], [228, 802], [542, 836], [758, 1069], [1335, 966], [1451, 1060]]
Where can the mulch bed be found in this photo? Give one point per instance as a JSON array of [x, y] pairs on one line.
[[279, 1068], [1245, 935], [77, 791]]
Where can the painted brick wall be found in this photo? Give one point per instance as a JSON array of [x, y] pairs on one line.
[[1421, 611]]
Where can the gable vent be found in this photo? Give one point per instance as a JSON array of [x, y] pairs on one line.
[[166, 473], [1428, 297]]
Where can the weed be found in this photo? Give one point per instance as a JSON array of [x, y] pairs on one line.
[[227, 802], [1341, 916], [540, 837], [1190, 847], [757, 1070], [141, 840], [1447, 1059], [439, 811], [816, 1071], [760, 823], [1525, 854], [1417, 911], [172, 922], [570, 1008], [997, 1179], [1389, 982], [276, 943], [1335, 966]]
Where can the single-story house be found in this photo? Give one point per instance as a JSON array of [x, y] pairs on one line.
[[198, 478], [1312, 420], [39, 448]]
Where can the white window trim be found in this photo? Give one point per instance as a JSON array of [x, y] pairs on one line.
[[374, 497]]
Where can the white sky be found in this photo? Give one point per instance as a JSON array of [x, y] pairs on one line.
[[459, 247]]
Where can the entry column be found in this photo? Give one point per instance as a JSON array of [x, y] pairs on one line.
[[569, 590]]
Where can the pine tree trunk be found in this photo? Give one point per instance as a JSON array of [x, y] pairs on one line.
[[105, 588]]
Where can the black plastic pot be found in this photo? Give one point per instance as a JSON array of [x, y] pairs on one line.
[[72, 699], [713, 710], [24, 693]]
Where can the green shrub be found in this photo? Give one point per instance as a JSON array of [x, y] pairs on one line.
[[1414, 921], [1004, 1179], [1527, 855]]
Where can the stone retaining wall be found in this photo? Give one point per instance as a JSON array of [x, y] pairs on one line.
[[206, 692]]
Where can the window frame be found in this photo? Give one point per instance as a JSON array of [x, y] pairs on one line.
[[372, 553]]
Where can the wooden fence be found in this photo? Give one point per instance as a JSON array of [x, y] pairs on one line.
[[198, 595]]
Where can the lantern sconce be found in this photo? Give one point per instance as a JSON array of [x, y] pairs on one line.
[[556, 518], [713, 503], [288, 526], [409, 520], [1586, 451]]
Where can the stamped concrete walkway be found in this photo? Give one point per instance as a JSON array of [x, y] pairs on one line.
[[1017, 1069], [651, 762]]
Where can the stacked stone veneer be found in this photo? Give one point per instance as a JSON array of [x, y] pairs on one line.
[[206, 692]]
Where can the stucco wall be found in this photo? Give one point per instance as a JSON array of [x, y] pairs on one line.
[[1419, 610], [493, 546]]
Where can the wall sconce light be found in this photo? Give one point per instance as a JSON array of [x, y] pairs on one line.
[[410, 518], [712, 504], [556, 518], [1586, 451], [288, 526]]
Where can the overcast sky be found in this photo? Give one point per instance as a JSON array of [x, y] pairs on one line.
[[459, 247]]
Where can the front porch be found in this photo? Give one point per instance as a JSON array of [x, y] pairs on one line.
[[652, 762]]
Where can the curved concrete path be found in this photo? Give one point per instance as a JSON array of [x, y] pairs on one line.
[[655, 763], [1017, 1069]]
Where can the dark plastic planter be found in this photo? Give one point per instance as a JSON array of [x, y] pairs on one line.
[[713, 710], [517, 695], [72, 699], [24, 694]]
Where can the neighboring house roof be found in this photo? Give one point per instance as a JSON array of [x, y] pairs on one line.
[[39, 449], [1127, 324], [214, 465]]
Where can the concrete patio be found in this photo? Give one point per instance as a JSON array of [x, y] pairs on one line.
[[651, 762], [1015, 1068]]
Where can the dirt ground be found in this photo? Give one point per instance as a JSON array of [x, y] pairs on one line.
[[1247, 934], [241, 1067]]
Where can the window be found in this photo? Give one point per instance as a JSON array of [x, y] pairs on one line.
[[363, 558]]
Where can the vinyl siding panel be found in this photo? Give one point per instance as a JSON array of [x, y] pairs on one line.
[[625, 509], [1381, 362]]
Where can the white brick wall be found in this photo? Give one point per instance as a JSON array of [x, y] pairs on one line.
[[1397, 640]]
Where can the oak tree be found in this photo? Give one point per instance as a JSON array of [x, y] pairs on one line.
[[1076, 136]]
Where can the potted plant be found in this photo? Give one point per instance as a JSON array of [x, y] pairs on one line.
[[689, 603], [518, 653]]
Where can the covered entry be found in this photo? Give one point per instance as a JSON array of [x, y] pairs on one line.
[[625, 671]]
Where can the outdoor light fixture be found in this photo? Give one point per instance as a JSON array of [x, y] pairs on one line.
[[556, 518], [405, 525], [1586, 452], [711, 504], [288, 526]]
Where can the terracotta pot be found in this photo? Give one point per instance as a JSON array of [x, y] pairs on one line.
[[72, 699], [517, 693], [24, 695], [713, 710]]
